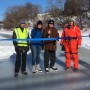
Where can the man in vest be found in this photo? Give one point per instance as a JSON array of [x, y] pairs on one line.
[[21, 47], [72, 43]]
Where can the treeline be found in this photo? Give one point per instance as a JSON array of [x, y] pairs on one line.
[[56, 8], [16, 13], [70, 8]]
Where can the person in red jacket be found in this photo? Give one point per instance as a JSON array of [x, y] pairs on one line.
[[72, 42]]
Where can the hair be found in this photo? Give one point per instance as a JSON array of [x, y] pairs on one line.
[[36, 27]]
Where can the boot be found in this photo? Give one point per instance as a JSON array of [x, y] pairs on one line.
[[34, 69], [38, 69]]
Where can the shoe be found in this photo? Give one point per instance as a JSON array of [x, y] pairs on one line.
[[75, 69], [38, 69], [16, 74], [67, 68], [34, 72], [47, 70], [53, 69], [34, 69], [24, 73]]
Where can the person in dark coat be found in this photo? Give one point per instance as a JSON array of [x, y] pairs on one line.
[[50, 46], [21, 47]]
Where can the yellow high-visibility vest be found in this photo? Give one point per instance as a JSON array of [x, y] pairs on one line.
[[21, 35]]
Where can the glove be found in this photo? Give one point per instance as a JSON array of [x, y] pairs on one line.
[[79, 46], [62, 47], [26, 48], [16, 48], [23, 51]]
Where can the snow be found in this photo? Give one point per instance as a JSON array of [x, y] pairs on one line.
[[86, 40], [7, 48], [6, 51], [6, 32]]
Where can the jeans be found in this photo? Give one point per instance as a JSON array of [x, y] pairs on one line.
[[36, 50]]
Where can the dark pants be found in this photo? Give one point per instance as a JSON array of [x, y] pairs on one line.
[[20, 61], [36, 50], [49, 55]]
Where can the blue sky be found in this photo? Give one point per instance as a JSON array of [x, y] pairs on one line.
[[4, 4]]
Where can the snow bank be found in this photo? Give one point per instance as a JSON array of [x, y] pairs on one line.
[[6, 32], [6, 51], [86, 40]]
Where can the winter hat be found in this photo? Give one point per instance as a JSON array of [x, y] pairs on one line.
[[51, 22], [71, 20], [21, 22], [39, 22]]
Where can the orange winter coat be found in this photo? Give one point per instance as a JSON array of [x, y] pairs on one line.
[[71, 44]]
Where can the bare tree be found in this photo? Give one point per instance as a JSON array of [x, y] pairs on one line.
[[31, 10], [55, 7], [76, 8], [16, 13]]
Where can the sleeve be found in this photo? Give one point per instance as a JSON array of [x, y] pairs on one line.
[[62, 36], [14, 37], [79, 36], [45, 34], [33, 33], [57, 34]]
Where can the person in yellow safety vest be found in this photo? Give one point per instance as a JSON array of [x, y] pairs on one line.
[[21, 47]]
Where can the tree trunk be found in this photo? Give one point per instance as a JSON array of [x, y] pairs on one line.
[[80, 18]]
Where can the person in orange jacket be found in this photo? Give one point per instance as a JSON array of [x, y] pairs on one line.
[[72, 41]]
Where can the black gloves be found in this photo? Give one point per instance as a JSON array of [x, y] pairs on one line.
[[62, 47]]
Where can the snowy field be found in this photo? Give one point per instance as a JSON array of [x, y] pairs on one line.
[[7, 48], [86, 40], [3, 31]]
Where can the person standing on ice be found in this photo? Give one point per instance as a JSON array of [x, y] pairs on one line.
[[49, 46], [72, 42], [21, 47], [36, 47]]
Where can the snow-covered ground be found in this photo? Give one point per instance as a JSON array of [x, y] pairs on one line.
[[7, 48], [86, 40], [6, 32]]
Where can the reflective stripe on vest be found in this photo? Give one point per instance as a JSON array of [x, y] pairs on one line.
[[21, 35]]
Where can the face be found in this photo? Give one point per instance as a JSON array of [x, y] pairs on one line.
[[65, 25], [71, 23], [39, 26], [51, 25], [22, 25]]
